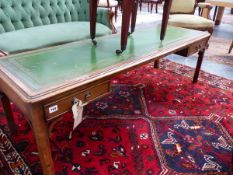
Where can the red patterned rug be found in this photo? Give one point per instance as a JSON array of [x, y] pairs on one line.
[[153, 122]]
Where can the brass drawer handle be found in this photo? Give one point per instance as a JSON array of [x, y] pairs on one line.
[[87, 95]]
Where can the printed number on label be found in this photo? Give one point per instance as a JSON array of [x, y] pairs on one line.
[[53, 109]]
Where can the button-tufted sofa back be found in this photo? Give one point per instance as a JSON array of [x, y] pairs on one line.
[[19, 14]]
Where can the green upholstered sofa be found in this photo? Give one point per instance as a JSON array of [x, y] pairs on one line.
[[32, 24]]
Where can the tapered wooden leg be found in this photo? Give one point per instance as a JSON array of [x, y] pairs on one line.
[[215, 13], [199, 11], [232, 162], [40, 130], [126, 14], [148, 5], [8, 112], [166, 12], [156, 64], [231, 47], [93, 10], [198, 66], [219, 15], [140, 5], [134, 15], [116, 11]]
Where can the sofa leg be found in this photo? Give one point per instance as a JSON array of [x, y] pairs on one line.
[[94, 42]]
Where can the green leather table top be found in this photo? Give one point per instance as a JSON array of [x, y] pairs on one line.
[[43, 70]]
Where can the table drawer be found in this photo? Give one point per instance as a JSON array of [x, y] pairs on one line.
[[194, 48], [63, 105]]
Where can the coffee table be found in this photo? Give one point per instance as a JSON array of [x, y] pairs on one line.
[[221, 4], [44, 83]]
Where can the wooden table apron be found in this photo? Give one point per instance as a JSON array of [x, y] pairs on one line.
[[221, 4], [35, 107]]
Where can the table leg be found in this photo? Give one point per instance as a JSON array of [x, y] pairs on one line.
[[127, 6], [93, 11], [134, 15], [40, 130], [198, 66], [231, 47], [156, 64], [166, 12], [8, 112], [231, 162], [219, 15]]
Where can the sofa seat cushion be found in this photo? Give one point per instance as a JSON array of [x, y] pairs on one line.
[[190, 21], [48, 35]]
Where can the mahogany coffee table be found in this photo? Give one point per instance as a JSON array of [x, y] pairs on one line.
[[44, 83]]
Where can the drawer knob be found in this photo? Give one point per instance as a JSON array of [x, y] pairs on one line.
[[87, 95]]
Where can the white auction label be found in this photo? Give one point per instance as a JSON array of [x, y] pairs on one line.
[[53, 109]]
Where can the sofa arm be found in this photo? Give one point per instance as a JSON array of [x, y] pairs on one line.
[[105, 16], [206, 7]]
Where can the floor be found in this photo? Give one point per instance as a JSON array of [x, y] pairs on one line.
[[223, 31]]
